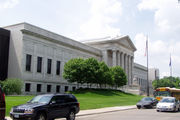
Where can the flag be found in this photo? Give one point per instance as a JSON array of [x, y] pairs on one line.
[[170, 61]]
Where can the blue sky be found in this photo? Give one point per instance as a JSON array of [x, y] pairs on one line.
[[87, 19]]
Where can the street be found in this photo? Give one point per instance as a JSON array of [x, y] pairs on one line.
[[134, 114]]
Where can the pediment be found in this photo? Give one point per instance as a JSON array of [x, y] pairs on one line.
[[126, 42]]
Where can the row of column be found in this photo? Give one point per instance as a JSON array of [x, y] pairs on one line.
[[125, 61]]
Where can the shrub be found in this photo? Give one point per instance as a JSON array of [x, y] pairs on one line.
[[12, 86]]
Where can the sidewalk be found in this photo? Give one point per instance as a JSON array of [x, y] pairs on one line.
[[100, 110]]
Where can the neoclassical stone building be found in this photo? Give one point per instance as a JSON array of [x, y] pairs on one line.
[[118, 51], [37, 56]]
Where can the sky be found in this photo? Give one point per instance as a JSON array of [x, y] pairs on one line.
[[155, 20]]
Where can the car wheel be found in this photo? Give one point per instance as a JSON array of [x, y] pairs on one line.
[[157, 110], [40, 116], [71, 116], [139, 107]]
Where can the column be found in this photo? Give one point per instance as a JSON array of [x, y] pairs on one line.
[[105, 56], [122, 60], [132, 68], [127, 69], [125, 63], [130, 71], [114, 57], [118, 58]]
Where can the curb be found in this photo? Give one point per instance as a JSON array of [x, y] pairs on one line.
[[104, 110]]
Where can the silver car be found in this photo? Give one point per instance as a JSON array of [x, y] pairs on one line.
[[168, 104]]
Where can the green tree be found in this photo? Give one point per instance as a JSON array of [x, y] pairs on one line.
[[118, 76], [12, 86], [74, 70], [91, 70], [167, 82], [104, 76]]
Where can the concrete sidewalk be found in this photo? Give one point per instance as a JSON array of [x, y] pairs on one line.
[[100, 110]]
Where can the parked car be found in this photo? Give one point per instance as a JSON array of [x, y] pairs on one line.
[[2, 105], [47, 107], [168, 104], [147, 102]]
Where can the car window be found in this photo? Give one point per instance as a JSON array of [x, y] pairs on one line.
[[58, 99], [168, 100], [147, 99], [41, 99]]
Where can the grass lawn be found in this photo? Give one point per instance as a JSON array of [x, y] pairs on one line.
[[88, 98]]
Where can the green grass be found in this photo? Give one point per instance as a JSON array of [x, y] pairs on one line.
[[88, 99], [92, 99], [14, 101]]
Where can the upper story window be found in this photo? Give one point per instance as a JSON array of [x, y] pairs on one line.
[[39, 64], [28, 62], [58, 66], [49, 62]]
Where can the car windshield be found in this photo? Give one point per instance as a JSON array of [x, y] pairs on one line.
[[147, 99], [168, 100], [41, 99]]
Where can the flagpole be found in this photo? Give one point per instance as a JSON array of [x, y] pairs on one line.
[[147, 67]]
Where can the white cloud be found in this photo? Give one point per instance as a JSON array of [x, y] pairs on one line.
[[8, 3], [167, 13], [103, 14]]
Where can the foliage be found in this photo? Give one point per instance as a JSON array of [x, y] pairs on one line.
[[74, 70], [167, 82], [91, 71], [118, 76], [12, 86], [104, 76]]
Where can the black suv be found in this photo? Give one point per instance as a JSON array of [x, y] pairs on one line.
[[47, 107], [2, 105]]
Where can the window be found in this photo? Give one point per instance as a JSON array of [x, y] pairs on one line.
[[28, 62], [27, 87], [39, 64], [73, 88], [38, 87], [66, 88], [58, 89], [48, 88], [49, 62], [58, 66]]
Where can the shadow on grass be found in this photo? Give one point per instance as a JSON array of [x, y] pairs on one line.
[[104, 92]]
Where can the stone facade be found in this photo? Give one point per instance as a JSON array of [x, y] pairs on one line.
[[37, 56]]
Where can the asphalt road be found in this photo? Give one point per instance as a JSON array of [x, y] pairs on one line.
[[134, 114]]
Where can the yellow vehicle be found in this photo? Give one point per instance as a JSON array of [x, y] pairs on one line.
[[159, 93]]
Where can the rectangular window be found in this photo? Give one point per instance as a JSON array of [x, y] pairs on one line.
[[49, 62], [28, 62], [66, 88], [27, 87], [48, 88], [58, 66], [73, 88], [39, 64], [38, 87], [58, 89]]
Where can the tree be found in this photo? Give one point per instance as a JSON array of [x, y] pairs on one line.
[[104, 76], [91, 70], [167, 82], [12, 86], [118, 76], [74, 70]]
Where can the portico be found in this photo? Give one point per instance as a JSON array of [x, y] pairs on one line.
[[118, 51]]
